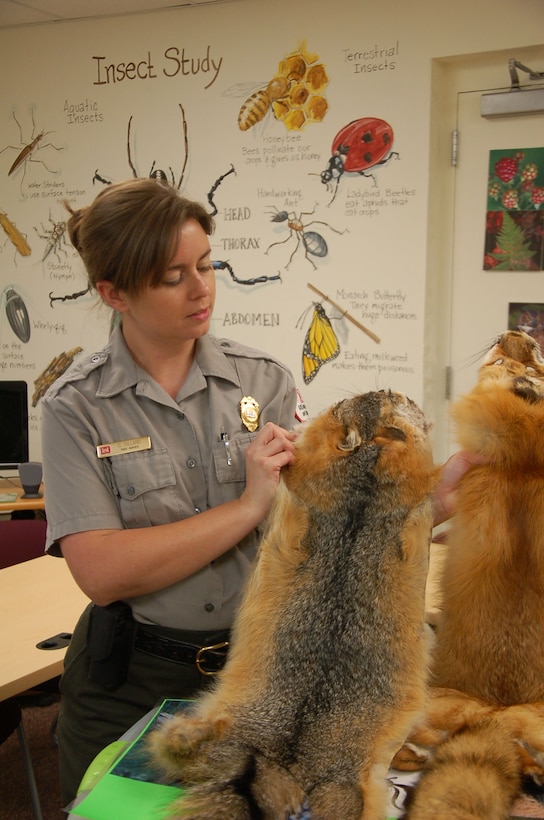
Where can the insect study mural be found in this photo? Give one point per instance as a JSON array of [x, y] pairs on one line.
[[253, 161]]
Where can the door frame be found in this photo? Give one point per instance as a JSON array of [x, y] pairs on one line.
[[450, 77]]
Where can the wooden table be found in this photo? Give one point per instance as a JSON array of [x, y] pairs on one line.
[[437, 559], [38, 599], [14, 486]]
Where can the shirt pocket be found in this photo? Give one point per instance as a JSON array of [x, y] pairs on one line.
[[145, 483], [229, 460]]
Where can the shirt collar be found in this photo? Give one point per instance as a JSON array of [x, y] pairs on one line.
[[212, 360], [121, 372]]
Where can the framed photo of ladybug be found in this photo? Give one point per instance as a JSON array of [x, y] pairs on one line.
[[514, 233]]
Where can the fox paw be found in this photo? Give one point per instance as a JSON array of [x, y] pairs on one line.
[[411, 757]]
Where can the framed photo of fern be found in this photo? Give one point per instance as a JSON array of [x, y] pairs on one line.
[[514, 232]]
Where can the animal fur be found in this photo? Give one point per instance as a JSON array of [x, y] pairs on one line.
[[491, 635], [326, 672], [474, 776], [488, 661]]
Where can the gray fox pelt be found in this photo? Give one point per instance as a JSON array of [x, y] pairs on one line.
[[487, 670], [326, 671]]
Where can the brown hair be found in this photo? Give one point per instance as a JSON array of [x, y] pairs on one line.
[[128, 234]]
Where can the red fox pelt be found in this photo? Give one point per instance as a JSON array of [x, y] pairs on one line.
[[326, 671], [488, 660]]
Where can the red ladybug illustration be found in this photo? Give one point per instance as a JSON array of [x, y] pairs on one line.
[[359, 146]]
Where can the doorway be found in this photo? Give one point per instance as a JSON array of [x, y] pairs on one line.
[[467, 305]]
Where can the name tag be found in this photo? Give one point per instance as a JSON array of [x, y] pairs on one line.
[[118, 448]]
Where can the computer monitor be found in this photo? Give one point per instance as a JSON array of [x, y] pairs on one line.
[[13, 424]]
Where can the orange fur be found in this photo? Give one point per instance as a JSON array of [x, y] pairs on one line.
[[490, 640], [326, 672], [488, 661], [475, 776]]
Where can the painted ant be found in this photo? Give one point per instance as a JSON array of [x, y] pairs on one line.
[[312, 242]]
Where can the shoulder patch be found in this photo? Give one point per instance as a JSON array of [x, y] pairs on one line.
[[233, 348]]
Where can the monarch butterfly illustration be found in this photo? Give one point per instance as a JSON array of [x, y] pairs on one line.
[[320, 344]]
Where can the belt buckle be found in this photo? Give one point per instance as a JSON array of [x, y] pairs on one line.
[[199, 660]]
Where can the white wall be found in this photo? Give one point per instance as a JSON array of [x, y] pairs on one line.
[[379, 60]]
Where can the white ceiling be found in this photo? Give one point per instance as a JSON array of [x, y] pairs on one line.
[[28, 12]]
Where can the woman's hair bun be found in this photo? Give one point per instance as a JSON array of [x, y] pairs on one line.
[[74, 223]]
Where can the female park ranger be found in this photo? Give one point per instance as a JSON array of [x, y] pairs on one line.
[[161, 456]]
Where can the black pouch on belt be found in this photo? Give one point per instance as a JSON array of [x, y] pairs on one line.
[[110, 641]]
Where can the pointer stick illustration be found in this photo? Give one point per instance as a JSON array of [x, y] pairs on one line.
[[346, 314]]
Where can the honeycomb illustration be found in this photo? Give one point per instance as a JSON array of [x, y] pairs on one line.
[[304, 101], [295, 94]]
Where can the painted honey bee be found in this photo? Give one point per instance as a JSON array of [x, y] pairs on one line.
[[294, 94], [257, 105]]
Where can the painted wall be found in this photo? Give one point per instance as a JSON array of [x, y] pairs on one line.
[[113, 96]]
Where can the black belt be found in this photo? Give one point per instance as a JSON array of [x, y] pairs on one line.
[[209, 659]]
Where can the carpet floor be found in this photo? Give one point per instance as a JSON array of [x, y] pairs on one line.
[[39, 714]]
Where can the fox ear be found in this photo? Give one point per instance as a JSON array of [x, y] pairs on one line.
[[351, 441], [395, 433]]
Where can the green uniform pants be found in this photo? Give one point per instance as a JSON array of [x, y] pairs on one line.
[[91, 717]]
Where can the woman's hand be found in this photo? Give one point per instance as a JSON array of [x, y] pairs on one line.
[[445, 495], [272, 449]]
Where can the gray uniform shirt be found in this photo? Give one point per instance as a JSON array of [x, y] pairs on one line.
[[107, 398]]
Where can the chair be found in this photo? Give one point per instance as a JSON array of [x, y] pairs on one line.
[[11, 719], [21, 539]]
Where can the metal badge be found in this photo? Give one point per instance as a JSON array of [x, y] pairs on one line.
[[249, 413]]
